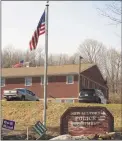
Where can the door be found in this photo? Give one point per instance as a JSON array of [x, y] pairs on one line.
[[28, 95], [32, 96], [21, 92]]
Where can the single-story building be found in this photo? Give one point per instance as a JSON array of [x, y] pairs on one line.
[[62, 82]]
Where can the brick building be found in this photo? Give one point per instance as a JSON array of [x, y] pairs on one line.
[[62, 83]]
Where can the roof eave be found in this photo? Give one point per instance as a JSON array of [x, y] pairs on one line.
[[56, 74]]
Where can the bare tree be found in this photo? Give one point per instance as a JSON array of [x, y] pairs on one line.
[[50, 60], [39, 56], [108, 60], [112, 65], [30, 57], [58, 59], [11, 56], [113, 11], [53, 59], [92, 50], [63, 59], [74, 59]]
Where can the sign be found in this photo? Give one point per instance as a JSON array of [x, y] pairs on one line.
[[8, 124], [77, 121], [40, 128]]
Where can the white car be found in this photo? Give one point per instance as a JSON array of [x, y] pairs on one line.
[[20, 93]]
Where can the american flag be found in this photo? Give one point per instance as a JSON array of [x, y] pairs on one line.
[[39, 31]]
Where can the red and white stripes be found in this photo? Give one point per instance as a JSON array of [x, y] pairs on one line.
[[34, 41]]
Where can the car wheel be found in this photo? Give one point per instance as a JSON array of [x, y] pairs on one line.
[[22, 98]]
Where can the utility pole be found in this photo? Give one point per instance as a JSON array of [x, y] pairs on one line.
[[79, 85]]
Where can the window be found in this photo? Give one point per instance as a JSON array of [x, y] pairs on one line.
[[69, 100], [89, 92], [28, 81], [21, 90], [2, 81], [27, 92], [31, 93], [58, 100], [42, 80], [70, 79]]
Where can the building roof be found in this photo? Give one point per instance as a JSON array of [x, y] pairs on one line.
[[37, 71]]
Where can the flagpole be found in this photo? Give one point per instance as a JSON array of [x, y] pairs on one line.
[[45, 62]]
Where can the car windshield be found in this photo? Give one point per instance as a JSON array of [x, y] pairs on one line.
[[89, 92]]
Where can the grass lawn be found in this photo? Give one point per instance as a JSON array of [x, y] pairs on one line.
[[25, 114]]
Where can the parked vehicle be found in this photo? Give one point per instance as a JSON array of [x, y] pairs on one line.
[[92, 96], [20, 94]]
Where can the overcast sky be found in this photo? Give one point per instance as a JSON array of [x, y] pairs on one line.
[[70, 23]]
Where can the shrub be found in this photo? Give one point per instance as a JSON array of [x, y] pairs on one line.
[[115, 98]]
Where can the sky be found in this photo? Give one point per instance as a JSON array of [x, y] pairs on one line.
[[70, 23]]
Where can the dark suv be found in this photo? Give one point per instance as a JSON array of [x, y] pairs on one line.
[[89, 96]]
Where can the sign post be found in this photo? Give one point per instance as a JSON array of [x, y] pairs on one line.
[[27, 133]]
